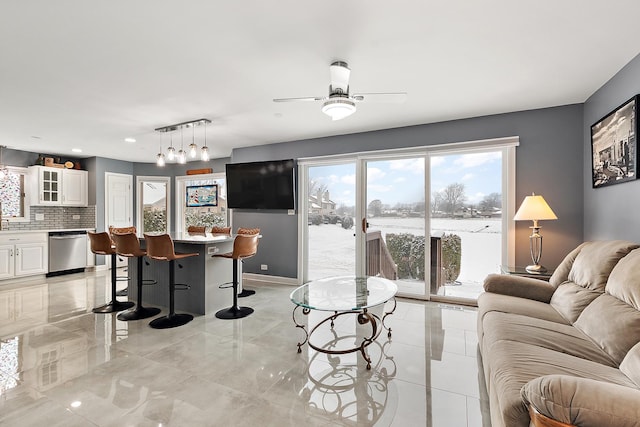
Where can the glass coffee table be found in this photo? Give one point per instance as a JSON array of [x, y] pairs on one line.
[[345, 295]]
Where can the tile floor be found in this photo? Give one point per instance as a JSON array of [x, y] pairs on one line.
[[61, 365]]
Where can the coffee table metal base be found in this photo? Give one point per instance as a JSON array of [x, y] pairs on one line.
[[364, 317]]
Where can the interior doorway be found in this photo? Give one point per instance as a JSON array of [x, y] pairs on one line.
[[118, 205]]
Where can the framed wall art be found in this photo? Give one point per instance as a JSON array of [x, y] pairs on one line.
[[202, 195], [613, 146]]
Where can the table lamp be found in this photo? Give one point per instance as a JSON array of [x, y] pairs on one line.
[[535, 208]]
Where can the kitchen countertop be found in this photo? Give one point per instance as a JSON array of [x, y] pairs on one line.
[[44, 231]]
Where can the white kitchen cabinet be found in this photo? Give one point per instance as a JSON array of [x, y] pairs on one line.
[[74, 187], [56, 186], [7, 261], [23, 254]]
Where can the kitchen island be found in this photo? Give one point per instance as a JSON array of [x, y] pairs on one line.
[[204, 274]]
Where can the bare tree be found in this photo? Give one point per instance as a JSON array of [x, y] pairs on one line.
[[436, 201], [375, 208], [317, 189], [453, 197], [490, 201]]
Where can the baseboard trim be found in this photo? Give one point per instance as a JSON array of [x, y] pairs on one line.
[[263, 278]]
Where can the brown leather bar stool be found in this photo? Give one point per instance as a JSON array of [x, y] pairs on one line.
[[249, 231], [160, 247], [121, 230], [101, 245], [128, 245], [221, 230], [196, 229], [244, 246]]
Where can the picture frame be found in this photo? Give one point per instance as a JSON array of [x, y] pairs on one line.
[[202, 195], [614, 154]]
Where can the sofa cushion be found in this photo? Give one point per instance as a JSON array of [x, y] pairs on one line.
[[561, 274], [488, 302], [595, 261], [583, 401], [612, 324], [513, 364], [630, 365], [586, 280], [624, 280], [542, 333], [570, 299]]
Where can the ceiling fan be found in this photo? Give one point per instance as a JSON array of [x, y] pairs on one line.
[[340, 104]]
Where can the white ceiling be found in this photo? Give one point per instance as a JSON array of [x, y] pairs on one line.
[[88, 74]]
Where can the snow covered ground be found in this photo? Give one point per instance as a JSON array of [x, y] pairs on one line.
[[332, 250]]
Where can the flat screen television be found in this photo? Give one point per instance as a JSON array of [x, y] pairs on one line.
[[261, 185]]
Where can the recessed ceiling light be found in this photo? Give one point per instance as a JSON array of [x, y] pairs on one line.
[[36, 137], [76, 150], [129, 140]]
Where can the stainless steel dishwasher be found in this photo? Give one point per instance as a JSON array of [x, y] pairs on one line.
[[67, 252]]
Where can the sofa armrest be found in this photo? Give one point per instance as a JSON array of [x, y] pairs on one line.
[[583, 401], [517, 286]]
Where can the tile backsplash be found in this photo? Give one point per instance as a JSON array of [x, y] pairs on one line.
[[56, 217]]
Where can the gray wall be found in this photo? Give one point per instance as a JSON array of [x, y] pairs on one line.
[[548, 163], [610, 212]]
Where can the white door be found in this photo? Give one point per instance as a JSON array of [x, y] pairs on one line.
[[118, 204]]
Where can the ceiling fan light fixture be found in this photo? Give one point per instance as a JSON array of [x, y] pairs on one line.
[[338, 108]]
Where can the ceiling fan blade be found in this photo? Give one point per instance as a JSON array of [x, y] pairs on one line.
[[340, 73], [309, 98], [380, 97]]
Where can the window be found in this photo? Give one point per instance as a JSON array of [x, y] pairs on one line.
[[13, 198], [207, 216], [153, 213]]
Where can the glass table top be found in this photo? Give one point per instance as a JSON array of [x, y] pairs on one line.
[[345, 293]]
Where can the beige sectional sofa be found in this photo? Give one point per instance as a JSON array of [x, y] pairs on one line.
[[566, 352]]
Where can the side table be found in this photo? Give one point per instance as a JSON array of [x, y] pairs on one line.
[[522, 271]]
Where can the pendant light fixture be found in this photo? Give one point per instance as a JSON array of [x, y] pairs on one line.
[[160, 157], [171, 152], [204, 151], [193, 148], [181, 155]]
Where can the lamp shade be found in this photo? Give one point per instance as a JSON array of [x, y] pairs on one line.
[[534, 208]]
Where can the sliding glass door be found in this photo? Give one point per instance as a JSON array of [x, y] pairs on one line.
[[433, 220], [329, 207], [395, 226]]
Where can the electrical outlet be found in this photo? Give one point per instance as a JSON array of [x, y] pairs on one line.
[[264, 267], [75, 216], [39, 217]]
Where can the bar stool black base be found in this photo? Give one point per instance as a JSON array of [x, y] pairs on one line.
[[171, 321], [113, 307], [138, 313], [246, 293], [234, 312]]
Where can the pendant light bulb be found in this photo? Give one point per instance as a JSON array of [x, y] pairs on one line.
[[171, 152], [204, 154], [160, 159], [204, 151], [193, 148]]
